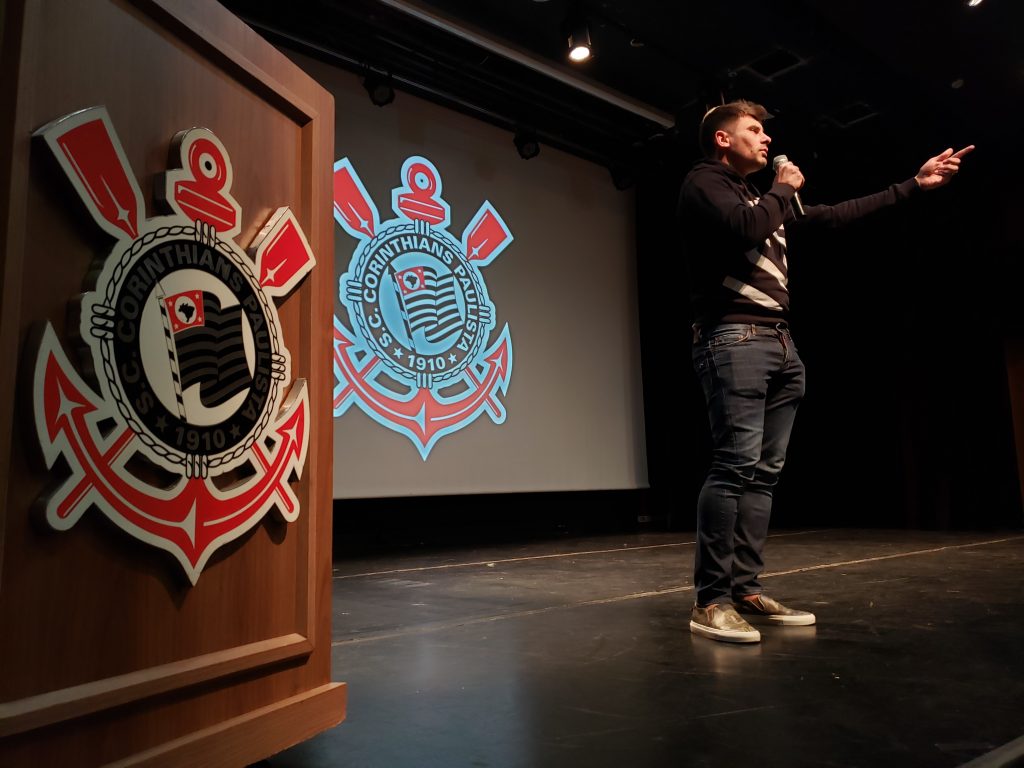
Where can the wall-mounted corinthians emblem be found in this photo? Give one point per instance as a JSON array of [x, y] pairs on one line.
[[182, 332], [417, 355]]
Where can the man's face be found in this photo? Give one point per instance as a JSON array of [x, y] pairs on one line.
[[744, 145]]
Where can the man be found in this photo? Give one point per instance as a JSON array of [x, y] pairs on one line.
[[744, 355]]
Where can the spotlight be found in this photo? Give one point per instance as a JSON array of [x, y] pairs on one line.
[[526, 144], [580, 48], [379, 89]]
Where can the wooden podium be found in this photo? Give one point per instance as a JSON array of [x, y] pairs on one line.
[[164, 595]]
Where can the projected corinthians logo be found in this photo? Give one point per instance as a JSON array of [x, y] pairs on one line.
[[417, 355], [182, 332]]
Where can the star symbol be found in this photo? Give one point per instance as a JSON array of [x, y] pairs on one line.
[[397, 353], [364, 224], [161, 423], [292, 433], [67, 405], [235, 432], [272, 273], [122, 213], [451, 358]]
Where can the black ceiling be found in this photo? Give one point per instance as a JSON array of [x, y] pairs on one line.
[[844, 78]]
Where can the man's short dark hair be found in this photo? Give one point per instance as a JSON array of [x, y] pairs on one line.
[[722, 115]]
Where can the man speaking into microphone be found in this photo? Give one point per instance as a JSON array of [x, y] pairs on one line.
[[743, 352]]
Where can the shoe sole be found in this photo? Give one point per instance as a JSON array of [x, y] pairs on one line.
[[725, 635], [779, 620]]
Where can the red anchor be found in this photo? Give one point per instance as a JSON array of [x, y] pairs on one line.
[[188, 519], [423, 415]]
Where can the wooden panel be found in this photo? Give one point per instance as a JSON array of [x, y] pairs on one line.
[[94, 619], [244, 740]]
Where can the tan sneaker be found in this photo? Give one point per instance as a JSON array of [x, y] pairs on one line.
[[770, 611], [721, 622]]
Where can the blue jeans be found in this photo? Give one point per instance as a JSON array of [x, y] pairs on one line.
[[753, 381]]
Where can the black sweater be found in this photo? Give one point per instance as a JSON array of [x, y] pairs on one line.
[[735, 241]]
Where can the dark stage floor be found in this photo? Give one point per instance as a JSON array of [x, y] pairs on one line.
[[577, 653]]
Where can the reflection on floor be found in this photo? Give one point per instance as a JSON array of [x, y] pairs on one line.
[[577, 653]]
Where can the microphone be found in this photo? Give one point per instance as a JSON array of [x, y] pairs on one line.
[[798, 205]]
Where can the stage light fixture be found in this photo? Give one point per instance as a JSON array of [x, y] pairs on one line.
[[379, 89], [580, 48], [526, 144]]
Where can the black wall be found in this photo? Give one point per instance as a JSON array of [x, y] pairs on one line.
[[900, 319]]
